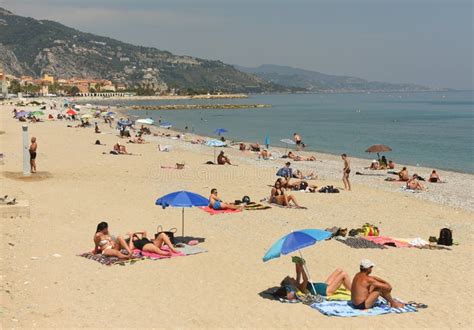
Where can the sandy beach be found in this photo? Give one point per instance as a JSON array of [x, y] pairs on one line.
[[45, 284]]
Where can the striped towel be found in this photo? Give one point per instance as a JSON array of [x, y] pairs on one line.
[[346, 309]]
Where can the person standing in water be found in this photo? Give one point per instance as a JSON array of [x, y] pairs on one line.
[[297, 139], [345, 172], [33, 148]]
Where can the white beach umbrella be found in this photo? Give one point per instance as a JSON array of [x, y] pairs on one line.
[[287, 142], [146, 121], [215, 143]]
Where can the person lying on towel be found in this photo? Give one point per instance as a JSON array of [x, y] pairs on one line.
[[302, 284], [140, 241], [217, 204], [367, 289]]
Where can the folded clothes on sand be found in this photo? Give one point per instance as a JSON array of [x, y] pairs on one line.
[[346, 309], [211, 211]]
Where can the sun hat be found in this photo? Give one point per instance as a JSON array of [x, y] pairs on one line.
[[366, 264]]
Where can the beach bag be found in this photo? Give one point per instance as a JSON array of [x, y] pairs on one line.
[[170, 233], [370, 230], [445, 237], [246, 199], [303, 185]]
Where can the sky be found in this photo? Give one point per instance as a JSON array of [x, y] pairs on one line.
[[427, 42]]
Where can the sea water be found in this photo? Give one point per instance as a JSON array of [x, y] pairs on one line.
[[432, 129]]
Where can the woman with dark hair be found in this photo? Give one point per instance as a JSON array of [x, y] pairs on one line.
[[108, 245], [278, 196], [140, 241]]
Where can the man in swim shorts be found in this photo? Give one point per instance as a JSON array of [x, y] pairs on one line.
[[367, 289], [217, 204]]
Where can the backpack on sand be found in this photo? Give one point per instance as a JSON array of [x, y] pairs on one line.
[[445, 237]]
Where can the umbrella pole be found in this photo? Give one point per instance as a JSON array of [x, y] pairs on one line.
[[307, 272], [182, 222], [215, 161]]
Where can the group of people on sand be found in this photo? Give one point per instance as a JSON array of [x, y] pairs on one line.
[[413, 182], [382, 164], [111, 246], [365, 288]]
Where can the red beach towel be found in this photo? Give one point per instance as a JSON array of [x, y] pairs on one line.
[[382, 240], [214, 212]]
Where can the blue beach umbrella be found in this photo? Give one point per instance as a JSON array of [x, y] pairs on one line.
[[166, 124], [182, 199], [295, 241], [124, 122], [215, 143], [219, 131], [267, 141]]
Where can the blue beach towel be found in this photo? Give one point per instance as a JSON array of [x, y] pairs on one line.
[[345, 309]]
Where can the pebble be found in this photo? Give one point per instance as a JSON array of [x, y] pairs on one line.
[[57, 255], [34, 258]]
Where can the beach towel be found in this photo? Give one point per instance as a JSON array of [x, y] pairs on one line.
[[340, 294], [109, 261], [359, 243], [386, 241], [211, 211], [254, 206], [345, 309], [405, 189], [191, 249], [154, 256]]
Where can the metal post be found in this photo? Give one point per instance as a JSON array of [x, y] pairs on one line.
[[26, 152], [307, 272], [182, 222]]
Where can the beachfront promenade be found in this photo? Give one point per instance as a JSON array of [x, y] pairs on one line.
[[45, 284]]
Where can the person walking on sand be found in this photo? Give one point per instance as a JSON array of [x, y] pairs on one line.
[[33, 148], [345, 172], [367, 289]]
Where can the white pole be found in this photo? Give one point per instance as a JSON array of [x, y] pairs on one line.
[[26, 152], [307, 272]]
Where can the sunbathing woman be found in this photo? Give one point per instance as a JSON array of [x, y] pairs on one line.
[[297, 158], [265, 154], [217, 204], [337, 279], [139, 240], [108, 245], [278, 196], [414, 184]]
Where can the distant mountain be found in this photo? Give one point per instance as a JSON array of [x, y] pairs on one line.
[[312, 81], [34, 47]]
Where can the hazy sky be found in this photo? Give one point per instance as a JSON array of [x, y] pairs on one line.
[[427, 42]]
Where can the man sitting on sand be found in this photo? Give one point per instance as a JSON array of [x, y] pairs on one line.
[[265, 154], [97, 130], [291, 155], [222, 160], [434, 177], [217, 204], [403, 174], [367, 289], [414, 184], [391, 165], [120, 149], [301, 283]]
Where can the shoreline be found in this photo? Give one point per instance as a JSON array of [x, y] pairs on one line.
[[158, 97]]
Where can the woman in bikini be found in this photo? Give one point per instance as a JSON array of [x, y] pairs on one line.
[[108, 245], [278, 196], [414, 184], [140, 241]]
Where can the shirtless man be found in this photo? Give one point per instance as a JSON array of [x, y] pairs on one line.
[[345, 172], [32, 150], [367, 289], [217, 204], [403, 174], [222, 160]]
